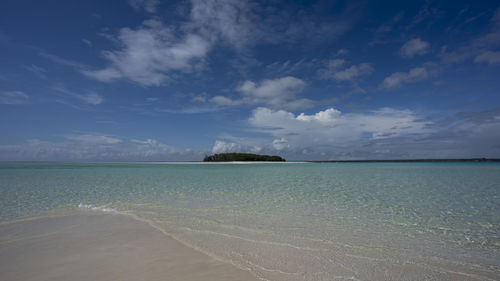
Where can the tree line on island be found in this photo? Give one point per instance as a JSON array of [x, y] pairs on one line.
[[228, 157]]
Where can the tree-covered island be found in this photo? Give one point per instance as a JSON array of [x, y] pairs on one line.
[[228, 157]]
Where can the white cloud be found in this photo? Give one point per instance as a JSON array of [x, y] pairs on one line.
[[327, 116], [281, 88], [199, 98], [151, 142], [280, 144], [93, 147], [226, 147], [149, 53], [221, 100], [332, 128], [149, 6], [242, 23], [63, 61], [87, 42], [13, 97], [276, 93], [40, 71], [415, 47], [342, 52], [488, 57], [337, 70], [397, 79], [90, 97], [231, 20], [152, 147], [154, 52], [190, 109], [479, 47], [93, 139]]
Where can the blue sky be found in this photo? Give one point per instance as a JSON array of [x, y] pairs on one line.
[[175, 80]]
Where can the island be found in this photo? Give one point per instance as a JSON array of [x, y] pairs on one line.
[[228, 157]]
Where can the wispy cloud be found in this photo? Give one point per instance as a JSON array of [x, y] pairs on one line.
[[415, 74], [90, 98], [488, 57], [87, 42], [247, 23], [152, 53], [399, 78], [480, 48], [13, 97], [381, 34], [63, 61], [190, 109], [94, 139], [40, 71], [149, 6], [96, 147], [339, 70]]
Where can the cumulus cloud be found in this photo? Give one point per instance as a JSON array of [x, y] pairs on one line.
[[149, 53], [384, 133], [13, 97], [229, 147], [226, 147], [280, 144], [339, 70], [414, 47], [333, 128], [276, 93], [488, 57], [327, 116]]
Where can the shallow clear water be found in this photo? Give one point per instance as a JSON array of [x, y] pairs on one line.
[[322, 221]]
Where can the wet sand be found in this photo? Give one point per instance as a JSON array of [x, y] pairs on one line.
[[84, 246]]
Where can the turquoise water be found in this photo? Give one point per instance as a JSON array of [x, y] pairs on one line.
[[292, 221]]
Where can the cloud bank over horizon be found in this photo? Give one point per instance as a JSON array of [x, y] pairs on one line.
[[152, 80]]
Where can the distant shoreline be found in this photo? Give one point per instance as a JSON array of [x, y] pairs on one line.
[[410, 160], [273, 162]]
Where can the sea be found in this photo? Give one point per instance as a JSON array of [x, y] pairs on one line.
[[290, 221]]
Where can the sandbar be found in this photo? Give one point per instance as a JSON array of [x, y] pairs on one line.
[[87, 246]]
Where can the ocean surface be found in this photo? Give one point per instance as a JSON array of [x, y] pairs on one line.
[[291, 221]]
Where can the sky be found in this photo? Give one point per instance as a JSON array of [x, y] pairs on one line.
[[151, 80]]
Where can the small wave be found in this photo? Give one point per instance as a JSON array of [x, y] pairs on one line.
[[103, 208]]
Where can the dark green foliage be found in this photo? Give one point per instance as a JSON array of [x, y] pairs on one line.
[[225, 157]]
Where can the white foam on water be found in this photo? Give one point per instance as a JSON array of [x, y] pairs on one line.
[[103, 208]]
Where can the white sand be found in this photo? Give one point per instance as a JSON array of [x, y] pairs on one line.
[[108, 247]]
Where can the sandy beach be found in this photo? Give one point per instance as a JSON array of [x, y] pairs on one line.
[[85, 246]]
